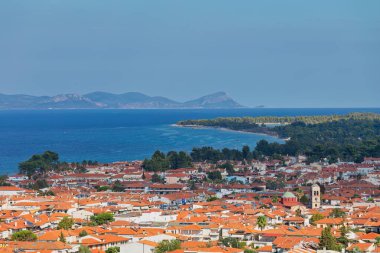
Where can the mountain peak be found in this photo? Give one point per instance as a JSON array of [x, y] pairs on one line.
[[218, 93], [215, 100], [100, 99]]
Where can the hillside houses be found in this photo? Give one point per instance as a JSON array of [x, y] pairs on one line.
[[200, 213]]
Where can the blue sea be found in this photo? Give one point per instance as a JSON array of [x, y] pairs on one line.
[[119, 135]]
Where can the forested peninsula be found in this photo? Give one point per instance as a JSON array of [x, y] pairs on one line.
[[349, 137]]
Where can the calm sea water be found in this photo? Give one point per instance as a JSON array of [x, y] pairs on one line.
[[115, 135]]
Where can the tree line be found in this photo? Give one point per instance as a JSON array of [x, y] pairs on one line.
[[248, 122], [347, 137], [160, 161], [344, 140]]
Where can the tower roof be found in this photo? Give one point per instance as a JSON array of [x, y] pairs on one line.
[[288, 195]]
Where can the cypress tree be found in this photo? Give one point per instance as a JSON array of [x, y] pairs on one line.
[[328, 241]]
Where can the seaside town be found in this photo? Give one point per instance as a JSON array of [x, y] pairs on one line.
[[271, 205], [189, 126]]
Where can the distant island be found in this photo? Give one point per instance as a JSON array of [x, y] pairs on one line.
[[105, 100]]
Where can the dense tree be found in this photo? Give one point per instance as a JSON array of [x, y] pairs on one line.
[[3, 180], [192, 185], [178, 160], [304, 200], [89, 162], [345, 137], [206, 154], [62, 238], [83, 233], [214, 175], [84, 249], [172, 160], [66, 223], [113, 250], [158, 162], [232, 242], [328, 241], [275, 184], [117, 187], [42, 163], [377, 240], [343, 235], [157, 178], [316, 217], [250, 251], [246, 153], [275, 199], [166, 246], [243, 123], [212, 198], [328, 138], [46, 193], [102, 188], [24, 235], [229, 168], [337, 213], [102, 218], [39, 184]]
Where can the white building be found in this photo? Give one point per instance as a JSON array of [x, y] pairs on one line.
[[10, 191]]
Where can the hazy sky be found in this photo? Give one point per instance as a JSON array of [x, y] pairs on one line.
[[273, 53]]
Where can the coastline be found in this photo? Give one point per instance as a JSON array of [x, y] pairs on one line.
[[229, 129]]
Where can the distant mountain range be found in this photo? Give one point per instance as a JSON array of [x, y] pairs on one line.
[[105, 100]]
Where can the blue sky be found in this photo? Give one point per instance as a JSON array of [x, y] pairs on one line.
[[273, 53]]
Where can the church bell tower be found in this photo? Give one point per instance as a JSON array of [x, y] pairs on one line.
[[315, 196]]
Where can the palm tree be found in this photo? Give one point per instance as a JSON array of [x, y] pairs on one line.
[[261, 222]]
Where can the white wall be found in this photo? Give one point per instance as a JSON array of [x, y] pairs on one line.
[[151, 216], [136, 248]]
